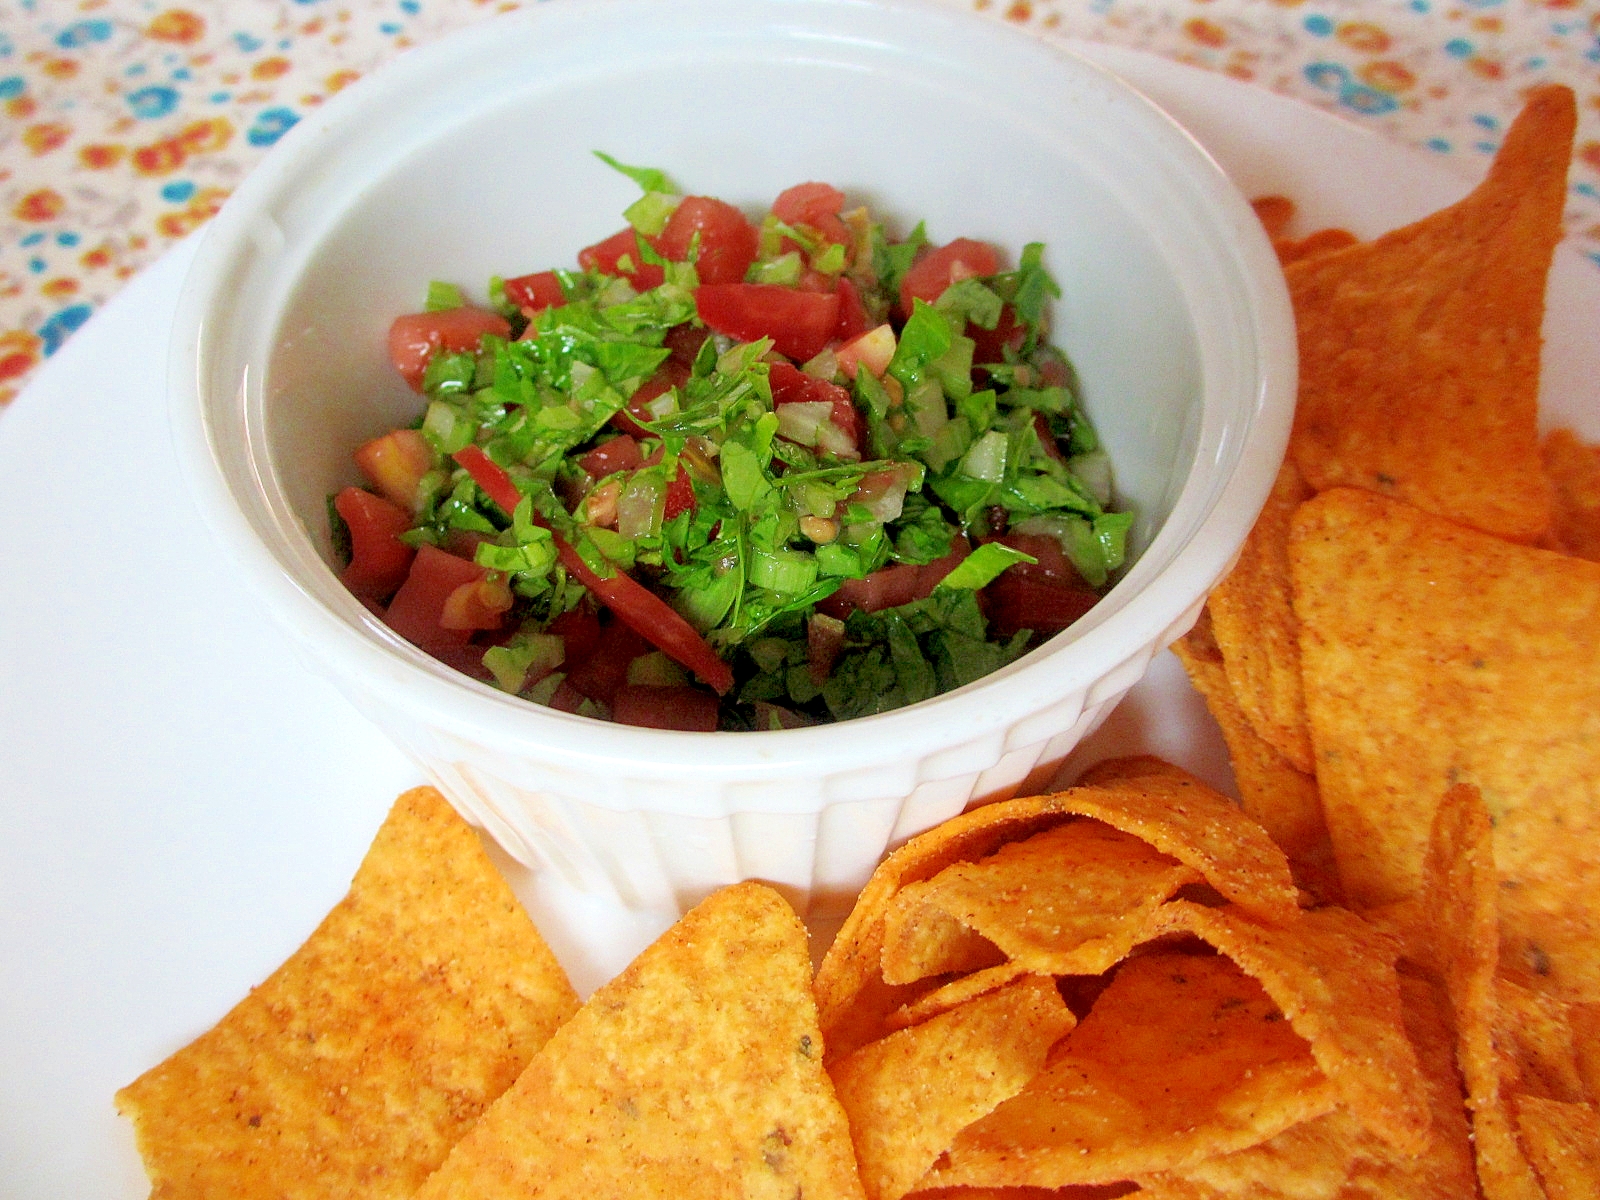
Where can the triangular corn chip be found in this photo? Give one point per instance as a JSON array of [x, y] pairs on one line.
[[358, 1064], [1574, 469], [1253, 622], [1271, 789], [1181, 1058], [1419, 351], [1437, 655], [1332, 976], [910, 1093], [696, 1072], [1336, 1156], [1073, 900]]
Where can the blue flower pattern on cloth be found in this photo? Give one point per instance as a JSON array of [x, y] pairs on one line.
[[128, 122]]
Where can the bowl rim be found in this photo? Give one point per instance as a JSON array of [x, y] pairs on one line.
[[1141, 622]]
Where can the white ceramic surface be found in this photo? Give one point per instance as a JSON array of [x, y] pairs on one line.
[[471, 157], [181, 800]]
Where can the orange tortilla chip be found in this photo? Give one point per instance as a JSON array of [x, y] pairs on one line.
[[1538, 1048], [1197, 825], [1436, 655], [909, 1094], [1167, 807], [1182, 1057], [1562, 1141], [1585, 1022], [1284, 799], [1574, 470], [1323, 241], [1419, 351], [1275, 214], [1459, 940], [696, 1072], [358, 1064], [1332, 976], [1073, 900], [1253, 623], [1337, 1156], [942, 997]]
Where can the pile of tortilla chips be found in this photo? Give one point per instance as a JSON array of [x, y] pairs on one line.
[[1116, 987], [425, 1042], [1405, 663]]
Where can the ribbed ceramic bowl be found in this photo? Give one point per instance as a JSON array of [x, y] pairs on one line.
[[472, 157]]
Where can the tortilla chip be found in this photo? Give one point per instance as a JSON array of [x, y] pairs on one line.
[[1197, 825], [1574, 470], [1181, 1058], [1562, 1141], [1253, 622], [1332, 976], [853, 1001], [1435, 655], [1585, 1022], [1337, 1156], [1534, 1036], [696, 1072], [1458, 939], [1419, 351], [1284, 799], [1073, 900], [358, 1064], [909, 1094], [1169, 808], [1323, 241], [1275, 214], [942, 997]]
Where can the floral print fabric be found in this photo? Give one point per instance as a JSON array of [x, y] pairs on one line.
[[124, 124]]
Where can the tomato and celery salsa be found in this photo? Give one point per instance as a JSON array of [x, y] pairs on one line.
[[734, 474]]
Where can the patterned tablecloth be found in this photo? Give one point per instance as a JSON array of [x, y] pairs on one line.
[[127, 122]]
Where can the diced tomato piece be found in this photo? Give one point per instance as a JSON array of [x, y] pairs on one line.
[[938, 269], [679, 497], [395, 464], [816, 205], [669, 375], [1044, 605], [416, 337], [873, 350], [379, 560], [684, 342], [1047, 439], [620, 453], [566, 698], [653, 706], [579, 631], [790, 385], [892, 586], [989, 345], [607, 255], [1052, 561], [490, 476], [417, 610], [852, 312], [800, 323], [605, 668], [477, 606], [651, 617], [825, 642], [531, 293], [728, 242], [634, 604]]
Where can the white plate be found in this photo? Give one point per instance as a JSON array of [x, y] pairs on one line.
[[181, 799]]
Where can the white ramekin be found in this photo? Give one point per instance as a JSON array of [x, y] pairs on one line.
[[471, 157]]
